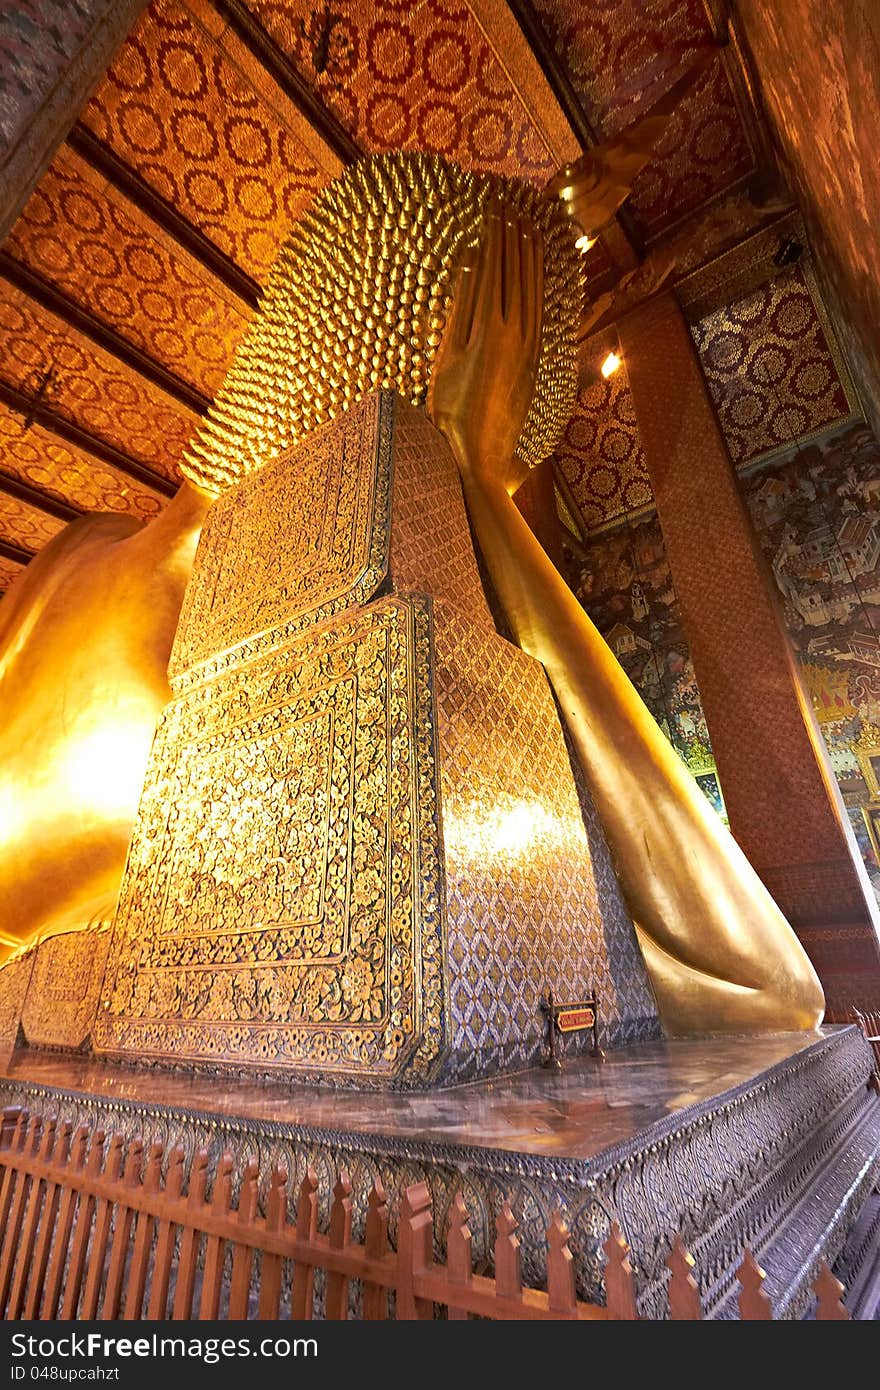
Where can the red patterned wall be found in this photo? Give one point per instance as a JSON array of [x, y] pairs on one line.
[[818, 63], [770, 368], [773, 784], [601, 455], [773, 372]]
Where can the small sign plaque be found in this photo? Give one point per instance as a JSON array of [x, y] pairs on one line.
[[573, 1016]]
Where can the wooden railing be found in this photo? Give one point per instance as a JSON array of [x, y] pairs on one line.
[[870, 1026], [95, 1229]]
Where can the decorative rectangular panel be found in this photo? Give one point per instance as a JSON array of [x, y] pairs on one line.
[[300, 540], [281, 902], [530, 904], [14, 979], [65, 987]]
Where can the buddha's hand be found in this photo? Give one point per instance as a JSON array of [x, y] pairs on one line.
[[484, 375]]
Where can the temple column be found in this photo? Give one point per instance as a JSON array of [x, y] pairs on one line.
[[784, 805], [536, 500], [54, 55]]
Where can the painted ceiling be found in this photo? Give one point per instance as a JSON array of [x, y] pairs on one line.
[[774, 372], [132, 272]]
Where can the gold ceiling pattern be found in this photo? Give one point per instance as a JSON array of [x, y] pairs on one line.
[[617, 54], [77, 238], [87, 386], [8, 571], [413, 77], [25, 526], [180, 113], [32, 456]]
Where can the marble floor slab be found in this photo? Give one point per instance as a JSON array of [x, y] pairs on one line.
[[577, 1113]]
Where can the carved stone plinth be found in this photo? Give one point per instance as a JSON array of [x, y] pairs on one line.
[[49, 995], [782, 1159], [361, 854], [64, 990]]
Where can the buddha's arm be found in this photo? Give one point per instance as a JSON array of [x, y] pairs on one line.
[[720, 954]]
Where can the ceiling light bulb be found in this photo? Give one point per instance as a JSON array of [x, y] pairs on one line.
[[584, 243], [610, 365]]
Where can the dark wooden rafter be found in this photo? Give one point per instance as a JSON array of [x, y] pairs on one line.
[[77, 438], [16, 553], [279, 67], [162, 214], [109, 341], [47, 502], [566, 94]]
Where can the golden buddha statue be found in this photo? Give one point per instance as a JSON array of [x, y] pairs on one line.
[[85, 636], [359, 298]]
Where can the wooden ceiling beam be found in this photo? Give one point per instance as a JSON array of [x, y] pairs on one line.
[[251, 33], [566, 94], [136, 191], [68, 433], [16, 553], [41, 501], [107, 339]]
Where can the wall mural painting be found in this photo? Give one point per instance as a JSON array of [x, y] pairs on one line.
[[817, 513], [626, 587]]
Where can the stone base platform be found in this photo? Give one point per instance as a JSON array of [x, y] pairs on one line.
[[772, 1142]]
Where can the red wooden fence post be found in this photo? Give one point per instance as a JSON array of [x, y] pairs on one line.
[[104, 1205], [561, 1295], [306, 1226], [166, 1237], [28, 1237], [271, 1265], [49, 1223], [143, 1239], [82, 1231], [190, 1239], [336, 1298], [508, 1264], [375, 1296], [243, 1254], [215, 1246], [63, 1227], [620, 1295], [415, 1241], [459, 1252], [754, 1304], [828, 1290], [131, 1179], [9, 1126], [17, 1198], [684, 1296]]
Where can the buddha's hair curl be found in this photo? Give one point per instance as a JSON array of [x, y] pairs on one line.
[[357, 299]]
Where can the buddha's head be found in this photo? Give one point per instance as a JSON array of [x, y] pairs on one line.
[[357, 300]]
